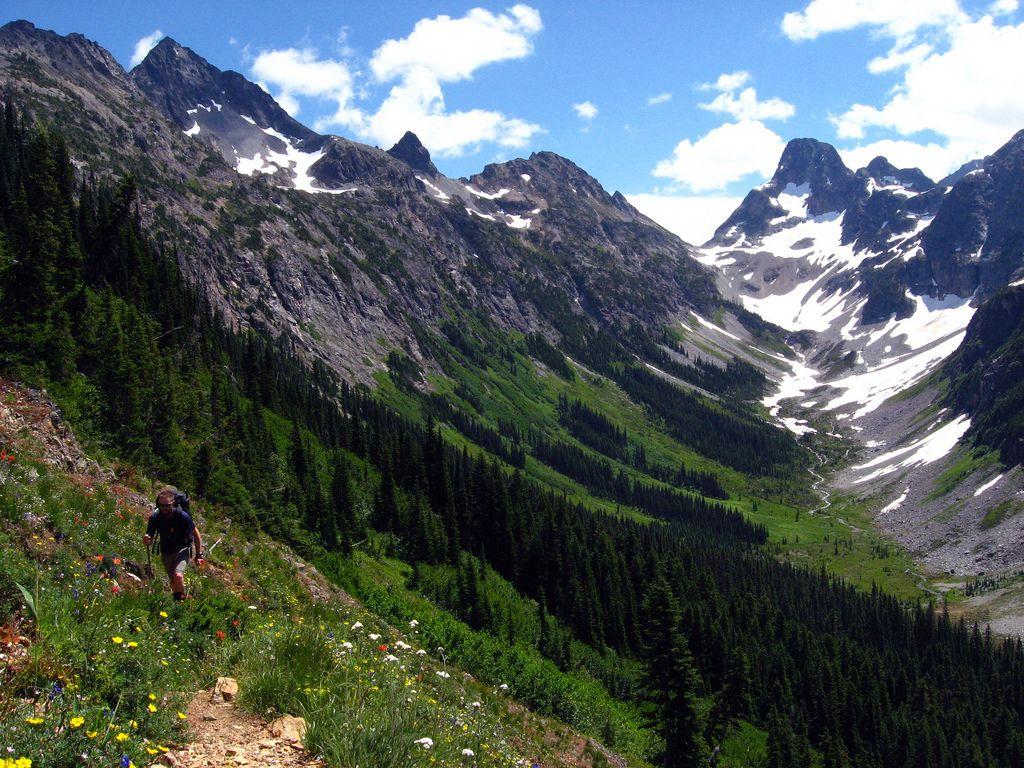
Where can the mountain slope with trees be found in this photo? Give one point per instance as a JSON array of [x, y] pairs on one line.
[[828, 673]]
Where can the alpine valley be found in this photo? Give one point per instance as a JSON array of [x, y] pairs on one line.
[[503, 472]]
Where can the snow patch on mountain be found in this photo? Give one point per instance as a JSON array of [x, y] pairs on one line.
[[990, 484], [938, 443], [293, 159]]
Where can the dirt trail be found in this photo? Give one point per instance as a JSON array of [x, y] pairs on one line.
[[221, 735]]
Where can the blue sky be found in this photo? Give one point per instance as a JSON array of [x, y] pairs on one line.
[[681, 105]]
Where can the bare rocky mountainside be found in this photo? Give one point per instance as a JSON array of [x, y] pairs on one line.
[[345, 250]]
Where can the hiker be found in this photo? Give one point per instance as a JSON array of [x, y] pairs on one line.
[[177, 534]]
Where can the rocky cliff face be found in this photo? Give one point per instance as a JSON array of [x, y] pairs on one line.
[[346, 251]]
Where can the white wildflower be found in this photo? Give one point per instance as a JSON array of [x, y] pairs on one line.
[[442, 673], [426, 742], [375, 637], [503, 687], [390, 658], [467, 752], [357, 626], [414, 623], [421, 652]]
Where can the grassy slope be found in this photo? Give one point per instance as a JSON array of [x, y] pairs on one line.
[[114, 651]]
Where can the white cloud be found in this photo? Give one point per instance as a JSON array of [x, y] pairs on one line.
[[438, 50], [297, 72], [746, 106], [585, 110], [960, 78], [935, 159], [896, 18], [661, 98], [694, 219], [144, 45], [453, 49], [727, 82], [725, 154], [899, 57], [968, 93]]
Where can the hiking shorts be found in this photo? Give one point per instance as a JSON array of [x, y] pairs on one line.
[[175, 562]]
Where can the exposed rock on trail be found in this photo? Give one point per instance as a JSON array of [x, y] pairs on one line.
[[221, 735]]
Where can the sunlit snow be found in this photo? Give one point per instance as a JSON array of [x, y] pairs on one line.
[[488, 195], [988, 485], [440, 195], [928, 449], [893, 505], [293, 159]]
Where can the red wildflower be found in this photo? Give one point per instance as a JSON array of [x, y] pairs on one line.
[[220, 634], [235, 623], [382, 648], [115, 588]]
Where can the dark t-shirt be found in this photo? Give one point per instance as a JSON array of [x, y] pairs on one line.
[[175, 530]]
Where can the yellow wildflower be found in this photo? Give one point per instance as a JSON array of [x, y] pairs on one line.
[[182, 716], [77, 722], [163, 614], [117, 640], [91, 734], [152, 707], [33, 720], [122, 736]]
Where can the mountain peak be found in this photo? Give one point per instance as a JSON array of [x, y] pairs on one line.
[[67, 52], [178, 80], [886, 174], [410, 150], [809, 161]]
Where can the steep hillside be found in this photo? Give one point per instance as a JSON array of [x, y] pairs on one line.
[[350, 276], [99, 664]]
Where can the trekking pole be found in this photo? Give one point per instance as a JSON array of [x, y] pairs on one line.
[[150, 550], [226, 527]]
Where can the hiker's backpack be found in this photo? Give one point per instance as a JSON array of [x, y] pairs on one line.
[[181, 502]]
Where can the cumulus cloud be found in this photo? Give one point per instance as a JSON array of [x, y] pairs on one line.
[[896, 18], [729, 81], [723, 155], [144, 45], [660, 98], [898, 57], [693, 218], [453, 49], [437, 51], [746, 106], [935, 159], [966, 93], [743, 105], [959, 78], [585, 110], [298, 72]]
